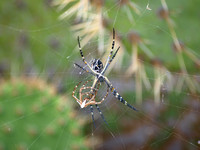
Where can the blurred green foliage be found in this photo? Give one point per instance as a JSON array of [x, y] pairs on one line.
[[31, 31], [34, 118]]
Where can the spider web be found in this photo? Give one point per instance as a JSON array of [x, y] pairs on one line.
[[170, 124]]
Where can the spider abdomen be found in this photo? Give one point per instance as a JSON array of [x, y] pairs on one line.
[[97, 65]]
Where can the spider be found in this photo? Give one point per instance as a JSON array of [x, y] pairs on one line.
[[97, 70]]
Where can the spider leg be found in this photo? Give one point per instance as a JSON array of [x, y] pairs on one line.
[[102, 116], [83, 58], [114, 55], [73, 93], [94, 85], [93, 89], [112, 48], [86, 82], [84, 69], [120, 98], [111, 60], [116, 94], [92, 114]]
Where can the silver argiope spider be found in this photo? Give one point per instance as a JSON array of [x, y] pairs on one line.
[[98, 71]]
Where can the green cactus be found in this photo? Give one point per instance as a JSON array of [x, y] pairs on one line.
[[34, 117]]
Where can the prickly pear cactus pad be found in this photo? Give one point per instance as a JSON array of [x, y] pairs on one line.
[[33, 117]]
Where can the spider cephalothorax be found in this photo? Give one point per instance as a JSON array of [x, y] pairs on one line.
[[97, 65], [97, 70]]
